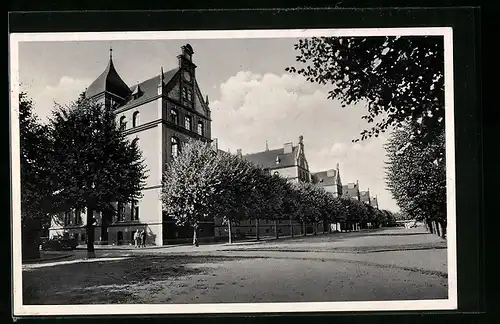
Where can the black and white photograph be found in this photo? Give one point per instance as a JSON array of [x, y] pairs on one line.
[[233, 171]]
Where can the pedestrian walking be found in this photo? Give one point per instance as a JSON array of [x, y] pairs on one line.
[[143, 238]]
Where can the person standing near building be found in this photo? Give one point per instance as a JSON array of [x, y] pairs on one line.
[[136, 239], [143, 238]]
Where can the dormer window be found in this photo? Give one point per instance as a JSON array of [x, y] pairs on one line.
[[278, 160], [136, 93]]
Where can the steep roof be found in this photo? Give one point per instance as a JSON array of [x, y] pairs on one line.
[[326, 178], [350, 190], [109, 81], [149, 88], [267, 159]]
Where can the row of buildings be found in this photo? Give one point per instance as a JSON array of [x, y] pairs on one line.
[[162, 113]]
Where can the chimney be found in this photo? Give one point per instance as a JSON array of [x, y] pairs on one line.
[[287, 148], [238, 153], [267, 146]]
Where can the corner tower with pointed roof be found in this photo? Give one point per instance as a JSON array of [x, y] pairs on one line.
[[108, 88], [162, 113]]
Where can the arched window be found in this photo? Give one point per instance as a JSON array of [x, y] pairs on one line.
[[174, 146], [174, 116], [135, 119], [200, 128], [123, 123]]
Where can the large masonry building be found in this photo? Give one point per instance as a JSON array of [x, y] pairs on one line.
[[161, 113]]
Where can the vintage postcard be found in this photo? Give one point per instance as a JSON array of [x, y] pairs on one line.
[[249, 171]]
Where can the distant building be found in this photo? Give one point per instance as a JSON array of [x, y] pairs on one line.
[[364, 196], [329, 180], [288, 161], [351, 190]]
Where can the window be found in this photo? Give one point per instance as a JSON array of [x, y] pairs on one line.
[[187, 122], [135, 119], [78, 217], [174, 116], [135, 211], [174, 146], [200, 128], [67, 219], [121, 212], [190, 95], [123, 123], [184, 93]]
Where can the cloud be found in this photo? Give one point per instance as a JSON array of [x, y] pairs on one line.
[[255, 108], [64, 92]]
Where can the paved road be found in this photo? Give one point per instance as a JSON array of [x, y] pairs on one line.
[[388, 264]]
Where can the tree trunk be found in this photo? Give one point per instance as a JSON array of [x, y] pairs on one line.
[[230, 232], [304, 225], [315, 228], [195, 236], [276, 234], [291, 227], [443, 230], [90, 233], [257, 229], [428, 225], [30, 237], [324, 225]]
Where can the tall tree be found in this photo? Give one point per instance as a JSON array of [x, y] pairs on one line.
[[95, 162], [399, 78], [238, 182], [416, 175], [190, 185], [36, 177]]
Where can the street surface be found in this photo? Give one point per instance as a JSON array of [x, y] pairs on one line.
[[382, 264]]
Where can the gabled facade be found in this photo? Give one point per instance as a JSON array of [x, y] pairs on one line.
[[161, 113], [351, 190], [365, 196], [330, 180], [288, 161]]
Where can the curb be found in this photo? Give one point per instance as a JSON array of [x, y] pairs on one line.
[[41, 260]]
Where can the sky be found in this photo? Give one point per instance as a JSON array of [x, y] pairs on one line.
[[252, 98]]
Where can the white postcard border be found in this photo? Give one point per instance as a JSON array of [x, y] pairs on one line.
[[129, 309]]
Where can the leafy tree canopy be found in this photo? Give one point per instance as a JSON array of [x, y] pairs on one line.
[[400, 78], [94, 161]]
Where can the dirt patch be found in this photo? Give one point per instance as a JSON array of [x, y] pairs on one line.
[[108, 281]]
